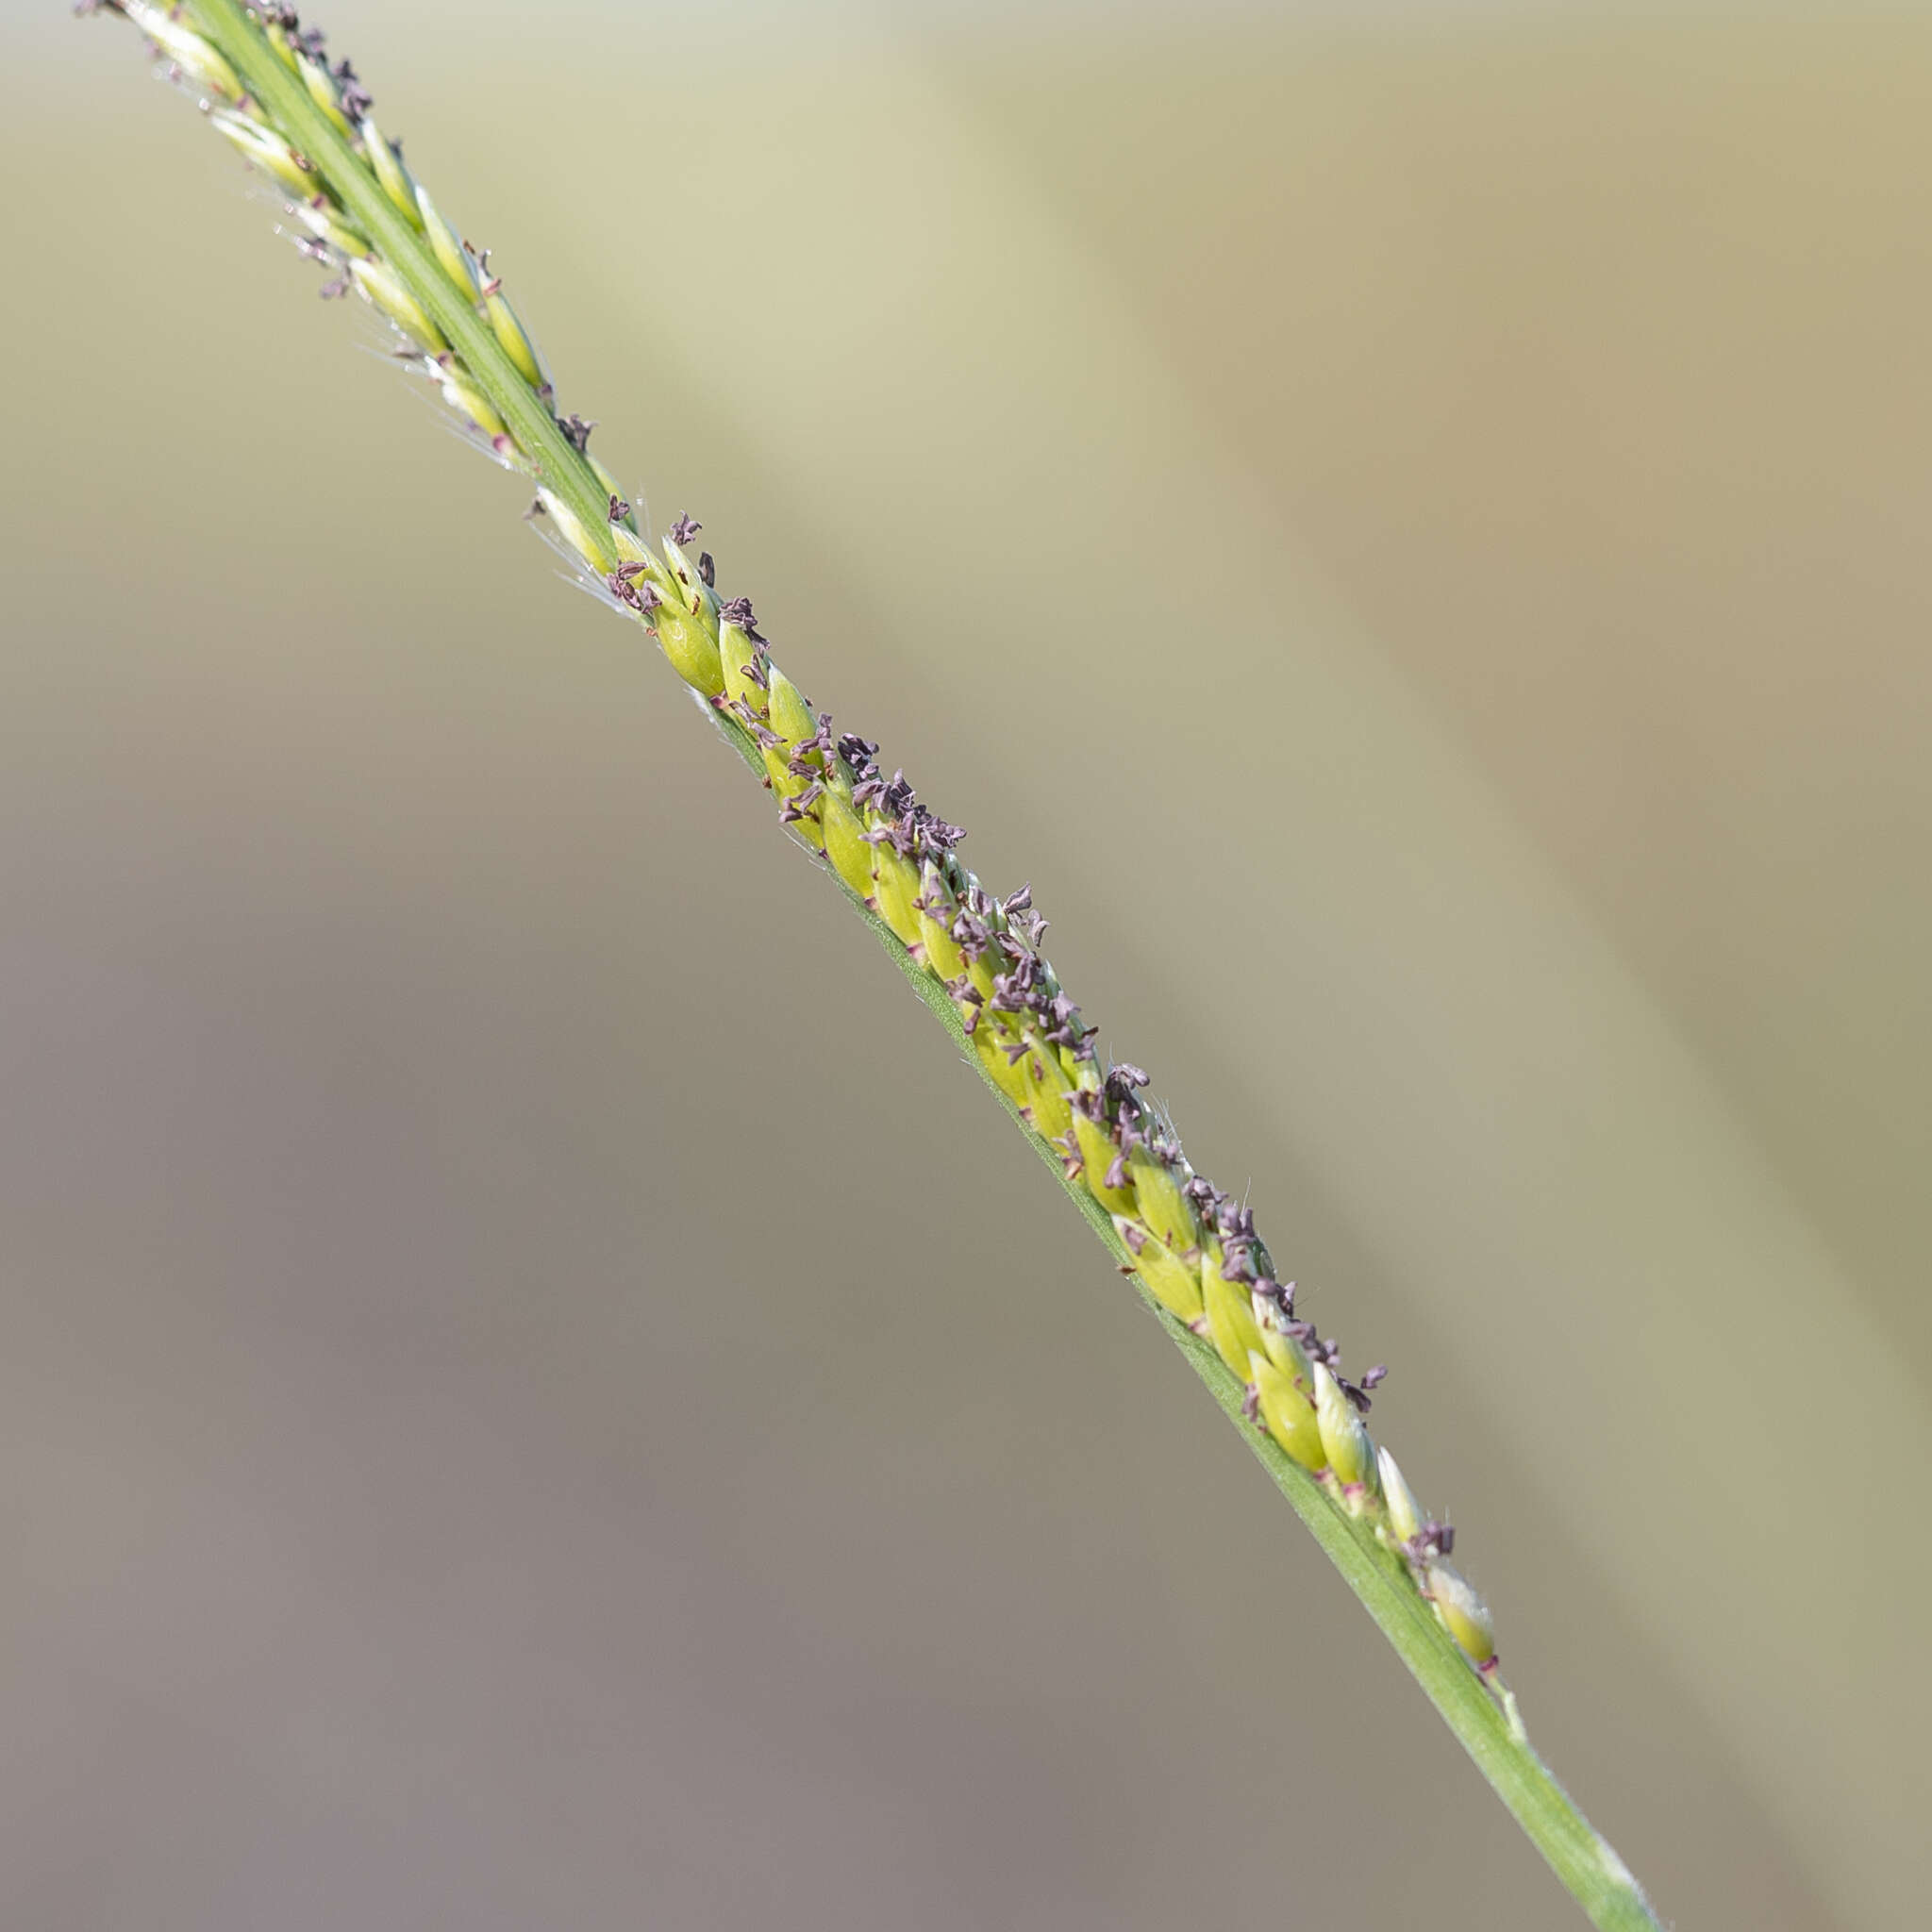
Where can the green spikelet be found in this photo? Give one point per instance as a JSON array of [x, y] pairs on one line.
[[1098, 1157], [278, 38], [846, 843], [1282, 1347], [936, 911], [979, 973], [447, 247], [744, 684], [792, 763], [1463, 1613], [325, 222], [324, 92], [691, 647], [1230, 1319], [469, 402], [699, 598], [516, 342], [1398, 1499], [1174, 1282], [397, 182], [397, 301], [895, 887], [1049, 1091], [269, 152], [788, 715], [631, 548], [1163, 1208], [1351, 1454], [1286, 1412], [580, 536], [1001, 1066], [186, 49]]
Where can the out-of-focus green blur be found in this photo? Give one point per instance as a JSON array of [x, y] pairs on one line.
[[533, 1391]]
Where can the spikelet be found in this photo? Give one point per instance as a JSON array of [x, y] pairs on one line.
[[267, 150], [517, 345], [1192, 1248], [447, 247], [1230, 1319], [1463, 1613], [191, 55], [1351, 1455], [1398, 1500], [394, 297], [385, 158], [322, 91], [1286, 1413]]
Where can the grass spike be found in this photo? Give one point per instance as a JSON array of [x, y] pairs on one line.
[[974, 959]]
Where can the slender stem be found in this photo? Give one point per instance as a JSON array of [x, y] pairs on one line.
[[1483, 1720]]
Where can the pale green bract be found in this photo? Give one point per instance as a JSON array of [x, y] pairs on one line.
[[356, 207]]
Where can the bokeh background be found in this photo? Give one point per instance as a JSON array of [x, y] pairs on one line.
[[535, 1392]]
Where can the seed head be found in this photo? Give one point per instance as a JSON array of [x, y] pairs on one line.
[[1194, 1248]]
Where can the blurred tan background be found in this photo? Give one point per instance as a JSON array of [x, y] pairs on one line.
[[534, 1394]]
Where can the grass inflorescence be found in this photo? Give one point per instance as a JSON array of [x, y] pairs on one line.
[[354, 207]]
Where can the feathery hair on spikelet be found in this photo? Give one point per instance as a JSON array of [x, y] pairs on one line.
[[356, 208]]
